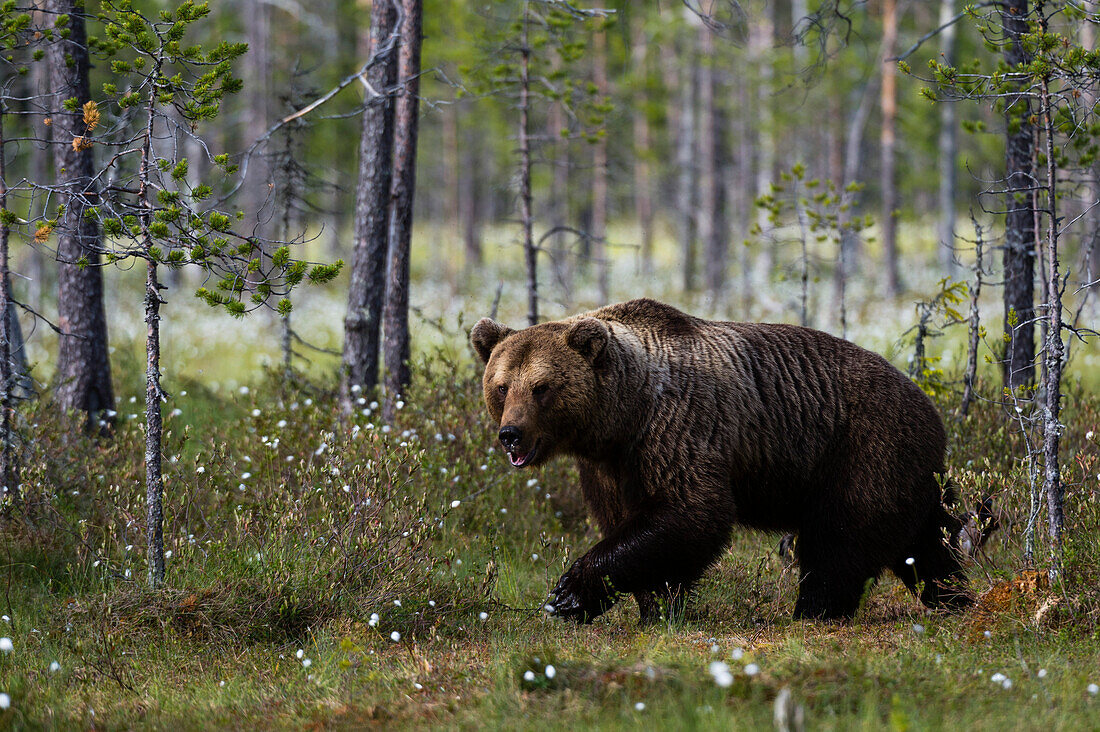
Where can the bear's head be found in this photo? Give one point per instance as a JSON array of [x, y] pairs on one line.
[[541, 384]]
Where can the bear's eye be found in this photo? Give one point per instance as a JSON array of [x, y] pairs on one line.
[[503, 389], [540, 389]]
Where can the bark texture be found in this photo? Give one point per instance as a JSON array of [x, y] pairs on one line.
[[83, 368], [366, 290], [1019, 248], [406, 124]]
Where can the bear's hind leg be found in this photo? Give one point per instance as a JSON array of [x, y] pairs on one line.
[[935, 562]]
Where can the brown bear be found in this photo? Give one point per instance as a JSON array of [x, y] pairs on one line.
[[683, 427]]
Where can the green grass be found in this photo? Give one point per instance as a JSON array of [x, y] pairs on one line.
[[294, 561]]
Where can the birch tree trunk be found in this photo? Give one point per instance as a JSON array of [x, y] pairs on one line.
[[9, 465], [83, 366], [366, 289], [406, 126], [529, 251]]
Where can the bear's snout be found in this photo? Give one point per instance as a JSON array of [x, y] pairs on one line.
[[510, 437]]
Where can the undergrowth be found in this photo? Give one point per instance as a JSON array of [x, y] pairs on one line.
[[329, 568]]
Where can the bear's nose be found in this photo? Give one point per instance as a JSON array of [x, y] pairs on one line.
[[510, 437]]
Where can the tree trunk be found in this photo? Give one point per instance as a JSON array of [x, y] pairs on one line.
[[711, 157], [974, 323], [257, 63], [1019, 247], [83, 366], [468, 200], [154, 482], [41, 166], [406, 126], [560, 254], [761, 39], [368, 268], [529, 251], [643, 187], [599, 176], [889, 104], [9, 466], [686, 189], [948, 147]]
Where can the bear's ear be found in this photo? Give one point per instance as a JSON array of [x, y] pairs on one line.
[[487, 333], [588, 337]]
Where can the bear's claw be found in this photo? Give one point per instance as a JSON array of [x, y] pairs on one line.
[[578, 599]]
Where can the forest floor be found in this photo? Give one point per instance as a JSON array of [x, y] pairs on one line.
[[329, 573]]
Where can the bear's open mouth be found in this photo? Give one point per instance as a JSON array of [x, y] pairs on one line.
[[518, 460]]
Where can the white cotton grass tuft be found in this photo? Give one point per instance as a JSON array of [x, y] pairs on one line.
[[55, 667], [550, 671], [395, 636], [373, 622], [918, 628], [5, 700], [456, 503], [528, 675], [300, 654], [306, 663], [1093, 689], [1042, 673], [737, 653], [752, 669], [483, 616], [639, 706], [6, 646], [910, 561], [720, 672]]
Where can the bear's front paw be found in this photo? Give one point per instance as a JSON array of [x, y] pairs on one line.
[[580, 597]]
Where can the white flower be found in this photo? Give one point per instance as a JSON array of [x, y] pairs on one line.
[[551, 672], [1093, 689], [987, 634], [395, 636], [373, 622], [640, 706], [374, 405], [55, 667], [355, 388], [347, 488], [5, 618], [246, 476], [528, 675], [721, 673], [1006, 684], [456, 503], [400, 404], [1042, 673], [300, 654], [309, 402], [200, 469], [483, 616], [281, 423], [714, 648], [5, 701], [183, 393], [175, 413], [386, 429], [483, 467], [397, 603], [532, 482], [997, 677], [737, 654], [243, 390], [534, 557], [431, 603], [168, 554], [306, 663], [752, 669], [6, 645], [910, 561], [1089, 435]]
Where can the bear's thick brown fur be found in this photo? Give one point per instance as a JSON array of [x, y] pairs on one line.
[[683, 427]]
